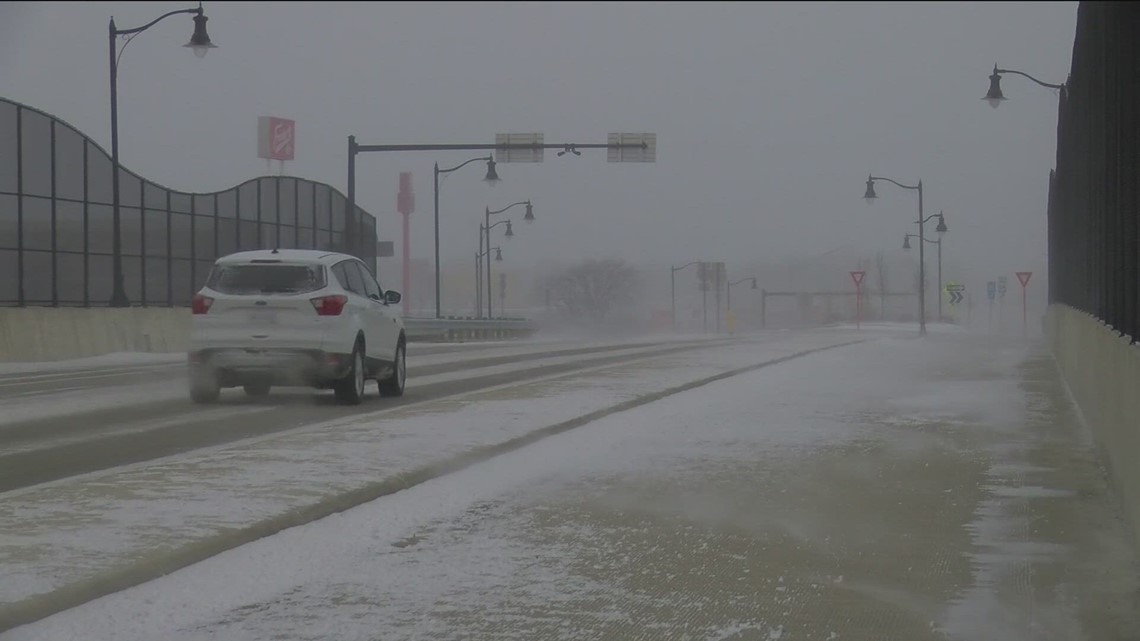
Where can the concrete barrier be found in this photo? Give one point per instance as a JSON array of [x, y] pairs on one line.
[[1102, 370], [58, 333], [39, 334]]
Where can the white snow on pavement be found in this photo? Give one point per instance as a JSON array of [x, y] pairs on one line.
[[407, 565], [70, 529]]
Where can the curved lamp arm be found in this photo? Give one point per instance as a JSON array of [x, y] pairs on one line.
[[127, 32], [1022, 73], [918, 186], [677, 269], [932, 242], [499, 211], [464, 164], [116, 32]]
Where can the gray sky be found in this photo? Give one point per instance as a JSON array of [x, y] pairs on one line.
[[769, 116]]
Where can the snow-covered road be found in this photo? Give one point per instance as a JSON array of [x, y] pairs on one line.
[[892, 489], [81, 534]]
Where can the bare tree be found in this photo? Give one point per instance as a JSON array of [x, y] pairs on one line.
[[881, 272], [592, 288]]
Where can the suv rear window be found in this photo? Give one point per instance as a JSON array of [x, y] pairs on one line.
[[266, 279]]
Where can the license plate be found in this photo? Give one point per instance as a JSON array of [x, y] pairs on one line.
[[263, 316]]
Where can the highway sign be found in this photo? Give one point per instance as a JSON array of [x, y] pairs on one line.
[[646, 152], [519, 155], [711, 276], [991, 289], [1001, 286]]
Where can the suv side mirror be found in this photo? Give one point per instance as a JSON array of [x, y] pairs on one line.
[[391, 297]]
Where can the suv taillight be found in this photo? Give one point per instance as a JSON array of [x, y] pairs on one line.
[[329, 305], [200, 304]]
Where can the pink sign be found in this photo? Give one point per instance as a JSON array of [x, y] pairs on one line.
[[276, 138]]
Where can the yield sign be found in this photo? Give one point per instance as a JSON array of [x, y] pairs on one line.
[[858, 277], [1024, 277]]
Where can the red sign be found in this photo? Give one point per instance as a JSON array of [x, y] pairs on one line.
[[405, 199], [858, 277], [275, 138], [1024, 277]]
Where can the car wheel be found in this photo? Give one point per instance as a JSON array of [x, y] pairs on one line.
[[204, 388], [350, 389], [256, 389], [394, 384]]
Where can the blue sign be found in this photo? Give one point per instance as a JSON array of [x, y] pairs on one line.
[[991, 289]]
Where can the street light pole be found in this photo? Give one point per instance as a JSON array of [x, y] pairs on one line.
[[487, 213], [487, 230], [478, 267], [921, 266], [870, 196], [200, 43], [906, 245], [492, 176], [673, 290]]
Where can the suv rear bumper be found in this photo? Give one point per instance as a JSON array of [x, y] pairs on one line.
[[275, 366]]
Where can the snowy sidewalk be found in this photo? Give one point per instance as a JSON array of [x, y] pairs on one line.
[[895, 489]]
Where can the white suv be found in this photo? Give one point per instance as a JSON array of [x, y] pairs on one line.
[[295, 317]]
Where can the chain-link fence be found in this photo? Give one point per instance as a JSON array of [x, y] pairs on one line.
[[1094, 195], [56, 221]]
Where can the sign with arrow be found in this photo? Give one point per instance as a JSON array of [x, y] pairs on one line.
[[955, 292]]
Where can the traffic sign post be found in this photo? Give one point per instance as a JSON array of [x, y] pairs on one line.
[[857, 277], [991, 293], [1023, 278], [1001, 285]]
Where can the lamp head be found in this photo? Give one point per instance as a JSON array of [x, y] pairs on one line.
[[200, 42], [492, 175], [869, 195], [994, 96]]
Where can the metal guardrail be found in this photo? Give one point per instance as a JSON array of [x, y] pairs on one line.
[[466, 329]]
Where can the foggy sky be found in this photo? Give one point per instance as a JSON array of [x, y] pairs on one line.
[[769, 116]]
